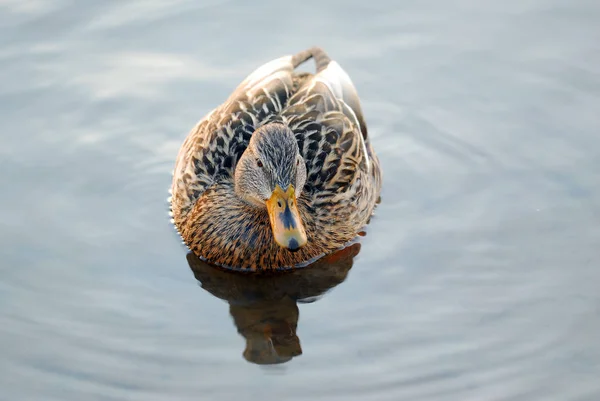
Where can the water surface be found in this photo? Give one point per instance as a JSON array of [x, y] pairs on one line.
[[477, 280]]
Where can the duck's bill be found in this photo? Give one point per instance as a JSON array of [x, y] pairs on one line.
[[286, 224]]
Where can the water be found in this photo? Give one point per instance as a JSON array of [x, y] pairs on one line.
[[477, 280]]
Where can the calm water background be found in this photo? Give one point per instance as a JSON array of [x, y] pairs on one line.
[[478, 279]]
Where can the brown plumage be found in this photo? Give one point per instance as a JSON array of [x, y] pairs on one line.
[[220, 212]]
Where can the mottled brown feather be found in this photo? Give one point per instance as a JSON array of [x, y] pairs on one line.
[[343, 172]]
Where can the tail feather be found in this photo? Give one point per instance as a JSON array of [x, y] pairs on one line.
[[321, 58], [331, 74]]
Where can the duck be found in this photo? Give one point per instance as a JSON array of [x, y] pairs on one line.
[[280, 174]]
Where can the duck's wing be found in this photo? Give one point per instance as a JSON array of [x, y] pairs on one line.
[[214, 145], [327, 119]]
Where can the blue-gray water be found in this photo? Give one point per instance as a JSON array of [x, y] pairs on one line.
[[478, 279]]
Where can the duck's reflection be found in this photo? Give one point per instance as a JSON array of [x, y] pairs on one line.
[[264, 309]]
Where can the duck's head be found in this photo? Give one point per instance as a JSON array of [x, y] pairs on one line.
[[271, 174]]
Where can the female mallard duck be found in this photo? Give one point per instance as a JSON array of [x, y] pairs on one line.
[[280, 174]]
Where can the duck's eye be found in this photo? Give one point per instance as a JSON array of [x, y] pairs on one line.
[[259, 163], [297, 162]]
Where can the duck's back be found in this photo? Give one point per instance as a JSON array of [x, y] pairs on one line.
[[322, 109]]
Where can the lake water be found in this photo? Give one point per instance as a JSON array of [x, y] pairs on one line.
[[478, 278]]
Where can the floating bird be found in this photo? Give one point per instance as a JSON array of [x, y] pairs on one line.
[[280, 174]]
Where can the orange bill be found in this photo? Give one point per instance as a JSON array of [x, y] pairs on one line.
[[286, 224]]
